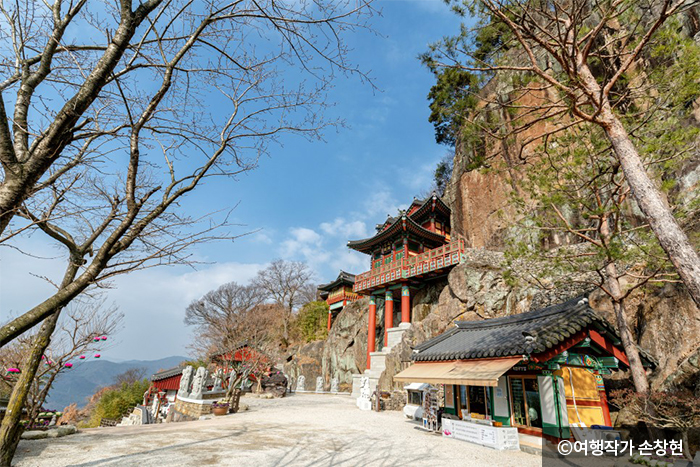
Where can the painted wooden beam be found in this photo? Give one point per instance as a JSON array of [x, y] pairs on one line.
[[605, 343]]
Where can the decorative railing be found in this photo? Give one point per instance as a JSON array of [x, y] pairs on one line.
[[349, 296], [432, 260]]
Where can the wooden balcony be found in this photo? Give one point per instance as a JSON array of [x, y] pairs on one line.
[[339, 297], [427, 262]]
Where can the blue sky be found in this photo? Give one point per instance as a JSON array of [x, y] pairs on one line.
[[307, 199]]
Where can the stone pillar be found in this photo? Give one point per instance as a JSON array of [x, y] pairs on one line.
[[388, 314], [405, 304], [372, 327], [329, 319]]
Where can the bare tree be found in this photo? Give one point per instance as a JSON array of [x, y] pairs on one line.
[[78, 329], [287, 283], [130, 376], [172, 136], [77, 100], [108, 136], [234, 320], [579, 53]]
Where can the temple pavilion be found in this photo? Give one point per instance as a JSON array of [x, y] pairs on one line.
[[338, 294], [407, 251]]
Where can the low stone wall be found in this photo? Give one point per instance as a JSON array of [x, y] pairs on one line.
[[192, 409], [392, 400]]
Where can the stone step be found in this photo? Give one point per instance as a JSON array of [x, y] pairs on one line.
[[394, 335], [377, 361]]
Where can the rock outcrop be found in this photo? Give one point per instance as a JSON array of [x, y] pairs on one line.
[[342, 354]]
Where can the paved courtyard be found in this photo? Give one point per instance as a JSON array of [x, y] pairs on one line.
[[300, 430]]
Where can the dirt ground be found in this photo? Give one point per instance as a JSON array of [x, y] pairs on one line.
[[300, 430]]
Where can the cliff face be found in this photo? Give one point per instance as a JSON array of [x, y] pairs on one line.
[[665, 320], [341, 355]]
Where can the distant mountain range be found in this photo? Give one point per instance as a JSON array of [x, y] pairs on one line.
[[81, 382]]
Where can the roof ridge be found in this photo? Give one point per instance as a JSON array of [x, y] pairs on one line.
[[559, 308]]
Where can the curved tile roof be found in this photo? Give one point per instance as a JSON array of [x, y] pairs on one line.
[[343, 278], [501, 337], [402, 223], [166, 373]]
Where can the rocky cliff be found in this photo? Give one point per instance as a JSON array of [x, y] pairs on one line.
[[342, 354]]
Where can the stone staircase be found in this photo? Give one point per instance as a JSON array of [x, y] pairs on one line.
[[377, 360]]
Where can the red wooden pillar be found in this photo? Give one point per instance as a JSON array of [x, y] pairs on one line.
[[405, 304], [329, 319], [388, 315], [604, 402], [372, 327]]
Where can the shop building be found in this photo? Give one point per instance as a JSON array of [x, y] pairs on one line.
[[540, 371]]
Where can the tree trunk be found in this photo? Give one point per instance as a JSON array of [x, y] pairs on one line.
[[11, 429], [639, 375], [665, 227], [671, 237]]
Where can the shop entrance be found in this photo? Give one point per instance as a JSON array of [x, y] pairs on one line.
[[472, 400], [525, 401]]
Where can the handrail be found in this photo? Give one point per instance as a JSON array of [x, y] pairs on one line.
[[431, 260]]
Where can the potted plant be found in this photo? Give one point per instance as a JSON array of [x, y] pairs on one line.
[[219, 408]]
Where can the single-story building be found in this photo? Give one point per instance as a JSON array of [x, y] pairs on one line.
[[168, 381], [540, 371]]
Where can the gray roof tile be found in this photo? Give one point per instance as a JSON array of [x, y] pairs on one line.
[[501, 337]]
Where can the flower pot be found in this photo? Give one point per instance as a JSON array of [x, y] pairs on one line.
[[219, 410]]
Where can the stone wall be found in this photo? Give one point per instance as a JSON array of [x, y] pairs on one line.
[[192, 410], [393, 400]]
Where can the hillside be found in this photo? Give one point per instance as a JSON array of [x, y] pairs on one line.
[[78, 384]]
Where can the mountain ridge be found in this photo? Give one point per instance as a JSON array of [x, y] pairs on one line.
[[82, 381]]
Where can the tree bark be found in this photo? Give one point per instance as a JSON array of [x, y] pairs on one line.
[[665, 227], [11, 429], [670, 235], [639, 375]]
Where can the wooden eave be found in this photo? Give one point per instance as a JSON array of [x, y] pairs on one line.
[[402, 224], [343, 279], [434, 204]]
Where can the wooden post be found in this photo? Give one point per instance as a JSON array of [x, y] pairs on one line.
[[405, 304], [329, 319], [388, 315], [371, 328], [604, 402]]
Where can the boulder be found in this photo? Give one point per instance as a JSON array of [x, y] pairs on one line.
[[35, 434]]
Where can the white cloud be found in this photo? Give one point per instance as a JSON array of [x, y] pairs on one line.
[[304, 235], [381, 202], [340, 227], [262, 237], [153, 300]]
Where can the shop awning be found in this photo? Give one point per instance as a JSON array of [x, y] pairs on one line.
[[483, 372]]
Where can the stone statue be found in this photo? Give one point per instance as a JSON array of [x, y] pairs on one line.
[[154, 407], [364, 402], [198, 382], [365, 392], [319, 384], [185, 381], [300, 383], [334, 385], [216, 386]]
